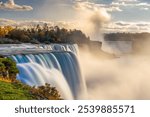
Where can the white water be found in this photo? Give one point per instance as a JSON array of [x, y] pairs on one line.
[[34, 74], [59, 66]]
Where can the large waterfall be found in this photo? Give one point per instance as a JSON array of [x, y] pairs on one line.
[[55, 64]]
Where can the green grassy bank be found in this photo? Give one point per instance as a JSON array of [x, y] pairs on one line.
[[14, 91], [18, 91]]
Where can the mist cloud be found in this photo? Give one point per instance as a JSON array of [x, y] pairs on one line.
[[126, 77], [91, 18], [12, 6]]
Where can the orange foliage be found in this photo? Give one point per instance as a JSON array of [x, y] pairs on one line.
[[5, 30]]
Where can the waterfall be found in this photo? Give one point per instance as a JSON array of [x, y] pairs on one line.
[[58, 66]]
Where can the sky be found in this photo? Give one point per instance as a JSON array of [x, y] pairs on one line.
[[125, 15]]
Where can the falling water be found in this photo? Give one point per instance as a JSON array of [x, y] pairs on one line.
[[57, 66]]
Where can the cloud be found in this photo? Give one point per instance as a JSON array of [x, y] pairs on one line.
[[116, 5], [121, 26], [146, 9], [5, 22], [144, 4], [127, 0], [113, 8], [11, 6], [92, 5], [33, 23], [130, 3]]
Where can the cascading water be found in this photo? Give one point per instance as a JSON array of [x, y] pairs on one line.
[[57, 66]]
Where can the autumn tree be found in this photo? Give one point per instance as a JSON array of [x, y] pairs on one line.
[[5, 30], [43, 34]]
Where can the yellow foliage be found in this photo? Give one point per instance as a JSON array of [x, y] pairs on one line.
[[5, 30], [5, 80]]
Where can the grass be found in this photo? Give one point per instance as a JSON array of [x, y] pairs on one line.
[[14, 91]]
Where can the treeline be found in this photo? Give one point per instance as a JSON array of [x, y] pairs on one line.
[[41, 34], [126, 36]]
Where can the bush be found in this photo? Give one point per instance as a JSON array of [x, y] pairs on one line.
[[8, 68], [45, 93]]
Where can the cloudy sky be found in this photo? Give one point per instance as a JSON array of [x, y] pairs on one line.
[[125, 15]]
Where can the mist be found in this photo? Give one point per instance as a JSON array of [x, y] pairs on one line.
[[126, 77], [91, 19]]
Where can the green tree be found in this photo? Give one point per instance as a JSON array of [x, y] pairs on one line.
[[10, 68], [2, 69]]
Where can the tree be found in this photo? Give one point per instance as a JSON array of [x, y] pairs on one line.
[[9, 68], [45, 92], [2, 69], [44, 34], [5, 30]]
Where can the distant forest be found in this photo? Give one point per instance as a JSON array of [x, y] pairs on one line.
[[126, 36], [41, 34]]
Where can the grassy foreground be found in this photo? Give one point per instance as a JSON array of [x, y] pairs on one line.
[[12, 91], [18, 91]]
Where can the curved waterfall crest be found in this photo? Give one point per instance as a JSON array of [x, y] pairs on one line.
[[56, 64]]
